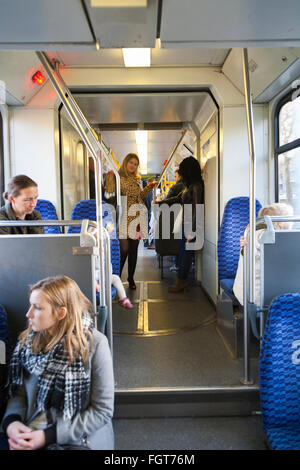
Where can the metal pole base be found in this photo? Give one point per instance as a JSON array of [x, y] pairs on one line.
[[247, 381]]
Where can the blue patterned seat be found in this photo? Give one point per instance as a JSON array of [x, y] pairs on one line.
[[86, 209], [4, 361], [48, 212], [280, 373], [234, 222], [5, 334]]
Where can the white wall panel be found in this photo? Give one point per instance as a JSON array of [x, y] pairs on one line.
[[236, 160], [33, 149]]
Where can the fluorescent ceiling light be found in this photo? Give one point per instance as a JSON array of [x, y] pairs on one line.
[[119, 3], [141, 138], [136, 57]]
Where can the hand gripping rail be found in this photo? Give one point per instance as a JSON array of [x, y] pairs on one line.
[[85, 239]]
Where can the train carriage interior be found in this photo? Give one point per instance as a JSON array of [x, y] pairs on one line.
[[189, 366]]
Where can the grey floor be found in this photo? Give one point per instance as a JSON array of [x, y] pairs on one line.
[[193, 355], [221, 433]]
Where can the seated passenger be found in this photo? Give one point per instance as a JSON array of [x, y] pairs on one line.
[[115, 280], [21, 198], [117, 283], [60, 375], [272, 210]]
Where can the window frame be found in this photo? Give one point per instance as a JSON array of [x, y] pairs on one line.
[[278, 150], [1, 160]]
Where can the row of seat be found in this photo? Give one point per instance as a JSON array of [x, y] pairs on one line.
[[234, 222], [279, 361], [85, 209]]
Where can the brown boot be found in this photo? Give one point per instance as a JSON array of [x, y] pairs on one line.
[[180, 285]]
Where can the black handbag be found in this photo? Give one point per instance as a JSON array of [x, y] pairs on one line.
[[67, 447]]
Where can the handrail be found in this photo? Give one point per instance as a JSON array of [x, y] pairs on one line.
[[169, 161], [246, 379], [76, 116], [252, 209], [250, 127], [84, 223], [47, 223], [99, 144], [269, 219], [109, 325]]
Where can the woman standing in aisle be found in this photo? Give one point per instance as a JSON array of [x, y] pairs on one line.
[[133, 225], [192, 225]]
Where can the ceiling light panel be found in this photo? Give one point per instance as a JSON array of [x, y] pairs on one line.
[[137, 57]]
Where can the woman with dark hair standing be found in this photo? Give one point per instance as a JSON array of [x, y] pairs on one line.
[[21, 198], [192, 198]]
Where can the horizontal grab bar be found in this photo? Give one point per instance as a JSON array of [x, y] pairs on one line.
[[42, 223]]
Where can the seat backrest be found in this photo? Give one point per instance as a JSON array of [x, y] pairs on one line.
[[86, 209], [280, 363], [48, 212], [234, 222]]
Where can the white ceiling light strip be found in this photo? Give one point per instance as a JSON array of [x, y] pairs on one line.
[[137, 57], [141, 138]]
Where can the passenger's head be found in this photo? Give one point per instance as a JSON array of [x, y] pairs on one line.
[[130, 165], [55, 312], [177, 176], [279, 209], [190, 171], [22, 193]]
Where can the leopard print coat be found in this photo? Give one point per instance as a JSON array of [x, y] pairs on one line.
[[134, 211]]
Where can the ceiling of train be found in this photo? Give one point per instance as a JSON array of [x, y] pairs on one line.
[[159, 57], [194, 33], [74, 24], [164, 115], [161, 108], [160, 145]]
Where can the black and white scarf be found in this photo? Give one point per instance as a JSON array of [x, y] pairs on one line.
[[61, 384]]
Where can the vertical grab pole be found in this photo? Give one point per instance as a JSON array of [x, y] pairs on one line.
[[108, 280], [251, 245], [246, 380]]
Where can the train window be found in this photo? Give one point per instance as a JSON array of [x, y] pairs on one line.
[[287, 152], [289, 122], [1, 161]]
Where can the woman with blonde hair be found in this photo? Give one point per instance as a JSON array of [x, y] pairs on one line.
[[133, 225], [60, 375], [279, 209]]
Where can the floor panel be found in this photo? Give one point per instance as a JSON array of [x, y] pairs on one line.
[[169, 340]]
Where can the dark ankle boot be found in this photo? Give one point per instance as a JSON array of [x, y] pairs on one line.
[[132, 285], [180, 285]]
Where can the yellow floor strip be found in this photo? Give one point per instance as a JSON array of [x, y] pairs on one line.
[[143, 316], [140, 324]]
